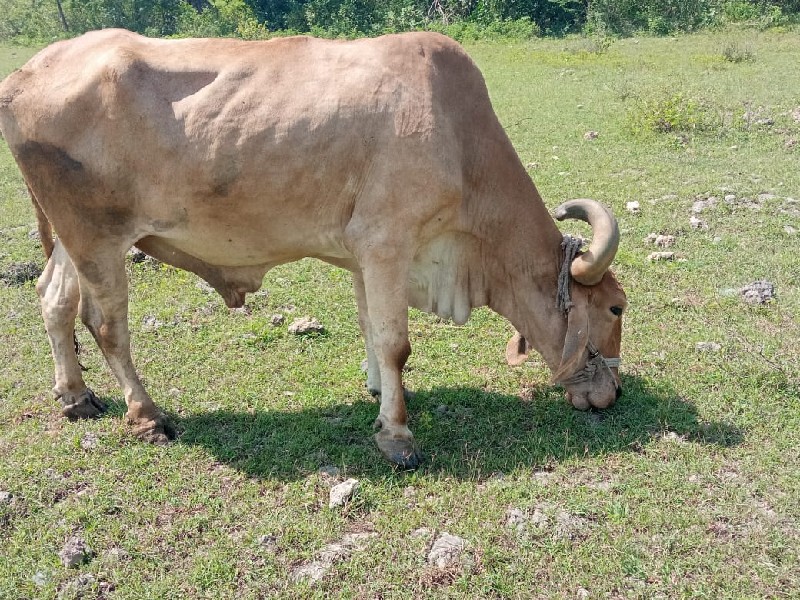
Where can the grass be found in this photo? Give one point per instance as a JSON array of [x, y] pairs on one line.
[[689, 487]]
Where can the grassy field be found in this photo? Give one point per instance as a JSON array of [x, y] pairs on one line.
[[688, 487]]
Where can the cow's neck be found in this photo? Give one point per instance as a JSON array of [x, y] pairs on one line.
[[522, 266]]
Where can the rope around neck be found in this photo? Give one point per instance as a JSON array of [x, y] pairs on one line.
[[571, 246]]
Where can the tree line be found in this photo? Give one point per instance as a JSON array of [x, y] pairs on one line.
[[46, 20]]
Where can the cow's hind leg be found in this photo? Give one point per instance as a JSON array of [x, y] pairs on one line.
[[59, 296], [385, 285], [104, 310]]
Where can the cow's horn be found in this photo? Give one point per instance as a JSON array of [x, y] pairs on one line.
[[589, 267]]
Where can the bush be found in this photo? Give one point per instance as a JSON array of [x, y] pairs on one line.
[[221, 18], [673, 113], [520, 29]]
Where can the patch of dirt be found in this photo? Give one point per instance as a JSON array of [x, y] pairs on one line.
[[20, 273]]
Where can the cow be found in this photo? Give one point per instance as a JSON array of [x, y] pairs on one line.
[[226, 158]]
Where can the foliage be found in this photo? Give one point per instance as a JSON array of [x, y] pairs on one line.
[[221, 18], [672, 112], [463, 19], [689, 487]]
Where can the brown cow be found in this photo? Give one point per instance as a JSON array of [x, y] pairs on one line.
[[382, 156]]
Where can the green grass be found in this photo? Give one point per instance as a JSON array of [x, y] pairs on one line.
[[689, 487]]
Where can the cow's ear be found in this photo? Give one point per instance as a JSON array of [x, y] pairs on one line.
[[517, 350], [576, 339]]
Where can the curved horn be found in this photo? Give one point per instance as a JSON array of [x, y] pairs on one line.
[[589, 267]]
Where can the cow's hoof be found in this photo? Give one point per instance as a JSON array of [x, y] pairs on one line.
[[157, 431], [401, 452], [81, 406]]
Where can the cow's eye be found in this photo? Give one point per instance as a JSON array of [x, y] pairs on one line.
[[617, 310]]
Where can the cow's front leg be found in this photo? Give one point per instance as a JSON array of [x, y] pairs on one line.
[[386, 295], [104, 310], [373, 372], [59, 296]]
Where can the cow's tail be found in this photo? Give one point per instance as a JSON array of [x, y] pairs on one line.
[[45, 228]]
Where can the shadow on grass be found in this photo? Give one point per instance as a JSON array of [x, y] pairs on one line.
[[463, 432]]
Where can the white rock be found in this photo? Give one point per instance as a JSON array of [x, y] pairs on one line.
[[697, 223], [89, 440], [305, 325], [331, 554], [6, 497], [664, 241], [789, 230], [656, 256], [758, 292], [591, 135], [75, 552], [311, 572], [447, 551], [633, 207], [707, 347], [343, 493], [516, 519]]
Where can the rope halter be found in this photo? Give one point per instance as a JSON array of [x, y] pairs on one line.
[[571, 246]]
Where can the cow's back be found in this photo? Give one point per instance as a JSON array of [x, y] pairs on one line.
[[279, 141]]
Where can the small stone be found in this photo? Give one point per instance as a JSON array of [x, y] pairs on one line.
[[707, 347], [276, 320], [305, 325], [75, 552], [77, 587], [790, 230], [651, 238], [591, 135], [447, 551], [665, 241], [730, 198], [657, 256], [671, 436], [696, 223], [6, 498], [242, 310], [89, 441], [516, 519], [582, 594], [151, 323], [758, 292], [633, 207], [539, 519], [700, 205], [341, 494], [311, 572], [40, 578]]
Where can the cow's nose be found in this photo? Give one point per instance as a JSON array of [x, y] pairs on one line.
[[619, 392]]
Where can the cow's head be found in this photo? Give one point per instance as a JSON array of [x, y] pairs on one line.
[[591, 346]]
